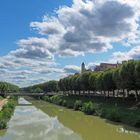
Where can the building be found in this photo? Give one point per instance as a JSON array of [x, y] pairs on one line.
[[104, 66], [83, 68]]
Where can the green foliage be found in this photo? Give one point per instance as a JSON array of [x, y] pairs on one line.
[[50, 86], [77, 105], [137, 74], [1, 97], [127, 73], [8, 88], [46, 98], [6, 113], [88, 108], [92, 81], [57, 99], [84, 78], [108, 83], [37, 90], [64, 103], [127, 76], [113, 115], [99, 82], [112, 110], [3, 123]]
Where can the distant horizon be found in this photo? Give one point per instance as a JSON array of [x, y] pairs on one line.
[[48, 40]]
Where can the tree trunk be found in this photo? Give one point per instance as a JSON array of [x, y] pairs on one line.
[[108, 93], [104, 94], [79, 92], [113, 93], [136, 95], [123, 94], [127, 93]]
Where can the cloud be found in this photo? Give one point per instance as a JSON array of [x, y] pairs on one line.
[[49, 26], [134, 53], [87, 26], [71, 69], [32, 52]]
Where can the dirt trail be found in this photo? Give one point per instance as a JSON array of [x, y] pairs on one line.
[[3, 102]]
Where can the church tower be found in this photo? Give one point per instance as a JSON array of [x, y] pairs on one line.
[[83, 67]]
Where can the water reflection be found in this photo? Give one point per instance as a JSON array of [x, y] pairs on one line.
[[22, 101], [123, 130], [30, 123], [89, 127]]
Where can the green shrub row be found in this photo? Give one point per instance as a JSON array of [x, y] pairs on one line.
[[112, 113], [6, 112]]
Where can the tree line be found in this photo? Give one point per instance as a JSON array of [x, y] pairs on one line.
[[124, 78], [6, 87], [43, 87]]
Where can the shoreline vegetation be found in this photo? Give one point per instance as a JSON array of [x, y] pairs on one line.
[[110, 109], [7, 112], [113, 94]]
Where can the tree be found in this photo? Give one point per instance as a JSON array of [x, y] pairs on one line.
[[51, 86], [8, 88], [108, 82], [99, 82], [92, 81], [127, 75], [37, 90], [137, 77], [74, 82], [84, 78]]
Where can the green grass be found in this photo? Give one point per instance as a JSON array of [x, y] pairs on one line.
[[1, 97], [6, 112]]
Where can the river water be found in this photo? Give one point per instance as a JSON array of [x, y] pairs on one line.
[[44, 121]]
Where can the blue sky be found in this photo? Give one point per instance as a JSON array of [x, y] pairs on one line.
[[49, 39], [16, 16]]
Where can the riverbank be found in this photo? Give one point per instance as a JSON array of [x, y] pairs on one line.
[[7, 111], [111, 109], [3, 102], [89, 127]]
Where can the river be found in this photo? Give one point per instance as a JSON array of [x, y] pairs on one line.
[[38, 120]]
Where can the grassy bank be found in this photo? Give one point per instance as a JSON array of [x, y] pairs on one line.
[[111, 109], [1, 97], [6, 112]]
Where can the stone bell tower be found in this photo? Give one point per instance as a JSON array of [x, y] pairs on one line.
[[83, 67]]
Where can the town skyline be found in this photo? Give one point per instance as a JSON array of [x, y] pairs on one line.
[[48, 40]]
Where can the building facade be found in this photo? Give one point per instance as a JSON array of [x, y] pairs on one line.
[[104, 66]]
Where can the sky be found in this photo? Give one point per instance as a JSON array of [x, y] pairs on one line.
[[42, 40]]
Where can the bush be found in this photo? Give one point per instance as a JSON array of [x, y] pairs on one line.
[[46, 98], [6, 113], [3, 124], [132, 118], [64, 103], [57, 99], [77, 105], [114, 115], [69, 104], [98, 109], [88, 108]]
